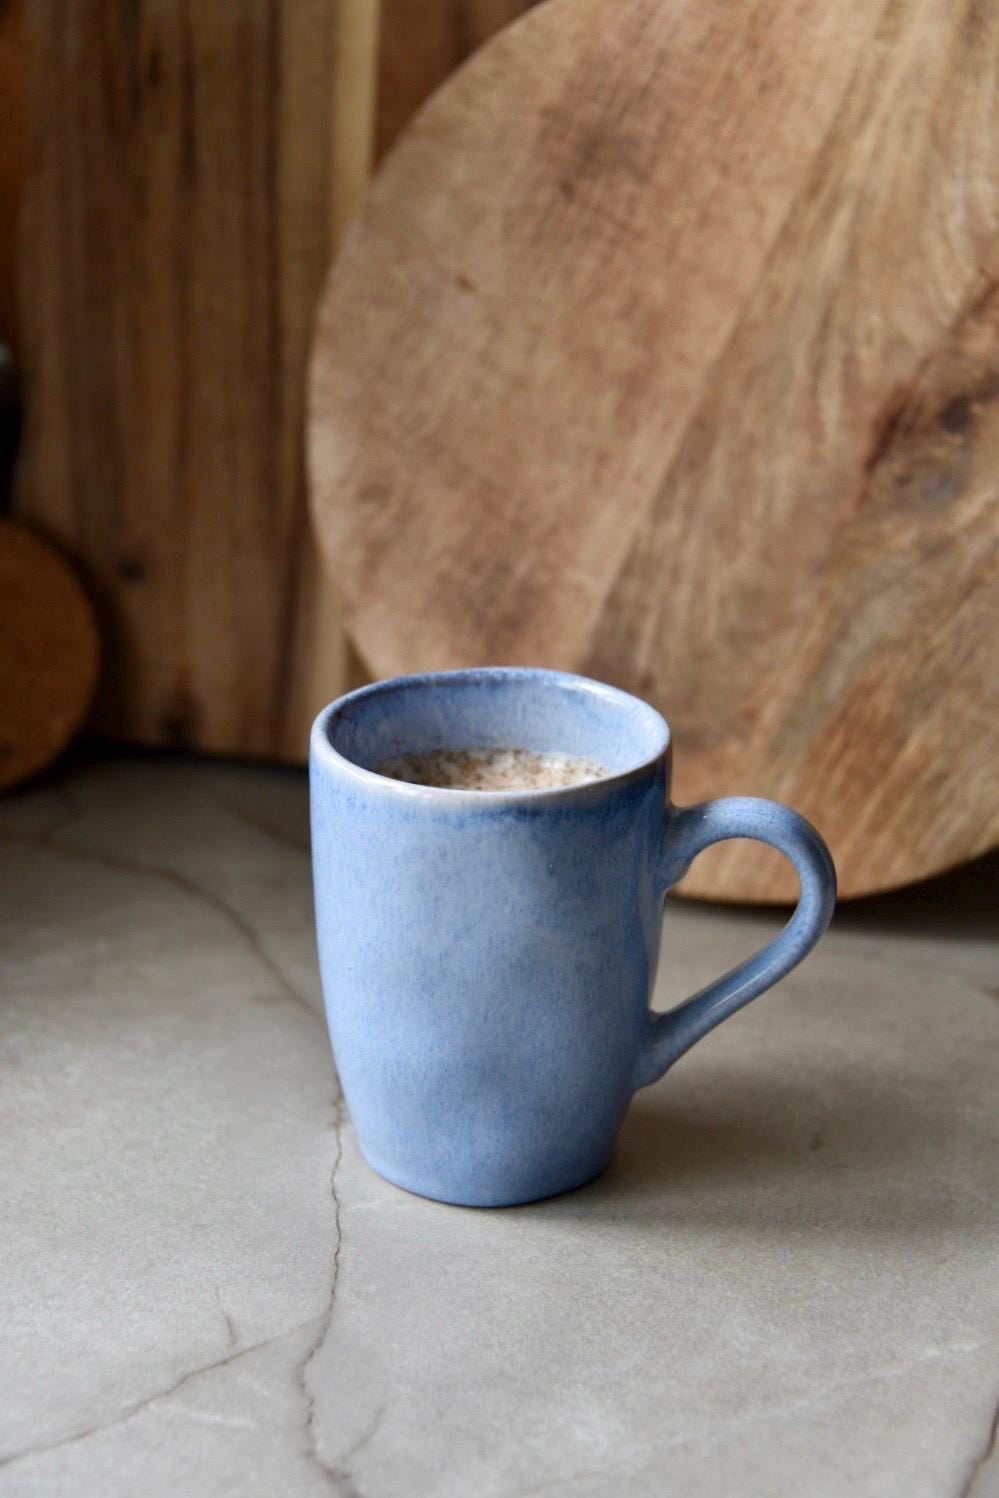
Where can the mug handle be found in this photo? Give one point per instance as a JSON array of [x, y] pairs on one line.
[[688, 831]]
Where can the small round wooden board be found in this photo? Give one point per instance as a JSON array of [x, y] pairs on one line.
[[667, 350], [48, 654]]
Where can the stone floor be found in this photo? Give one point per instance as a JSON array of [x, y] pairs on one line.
[[787, 1283]]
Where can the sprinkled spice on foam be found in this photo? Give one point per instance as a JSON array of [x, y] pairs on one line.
[[491, 769]]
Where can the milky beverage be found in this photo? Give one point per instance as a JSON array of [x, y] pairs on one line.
[[492, 769]]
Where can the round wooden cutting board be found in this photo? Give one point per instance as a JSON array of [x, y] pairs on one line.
[[48, 654], [667, 350]]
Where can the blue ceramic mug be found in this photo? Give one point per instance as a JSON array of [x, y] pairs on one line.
[[488, 956]]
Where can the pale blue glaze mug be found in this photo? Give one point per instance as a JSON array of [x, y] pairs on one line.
[[488, 957]]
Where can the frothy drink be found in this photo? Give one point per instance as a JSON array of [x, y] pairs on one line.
[[491, 769]]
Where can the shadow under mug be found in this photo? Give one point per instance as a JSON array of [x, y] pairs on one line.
[[488, 957]]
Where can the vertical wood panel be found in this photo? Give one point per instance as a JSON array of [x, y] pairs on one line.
[[190, 166], [13, 62]]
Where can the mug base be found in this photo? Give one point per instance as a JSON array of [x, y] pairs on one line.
[[483, 1196]]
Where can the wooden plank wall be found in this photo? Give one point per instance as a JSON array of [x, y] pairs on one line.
[[190, 170], [189, 167], [13, 146]]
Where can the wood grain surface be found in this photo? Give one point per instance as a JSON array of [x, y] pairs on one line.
[[48, 654], [190, 169], [666, 349], [422, 42], [13, 154]]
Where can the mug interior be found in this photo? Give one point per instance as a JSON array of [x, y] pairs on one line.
[[494, 708]]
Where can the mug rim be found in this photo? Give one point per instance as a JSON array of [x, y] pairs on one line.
[[322, 751]]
